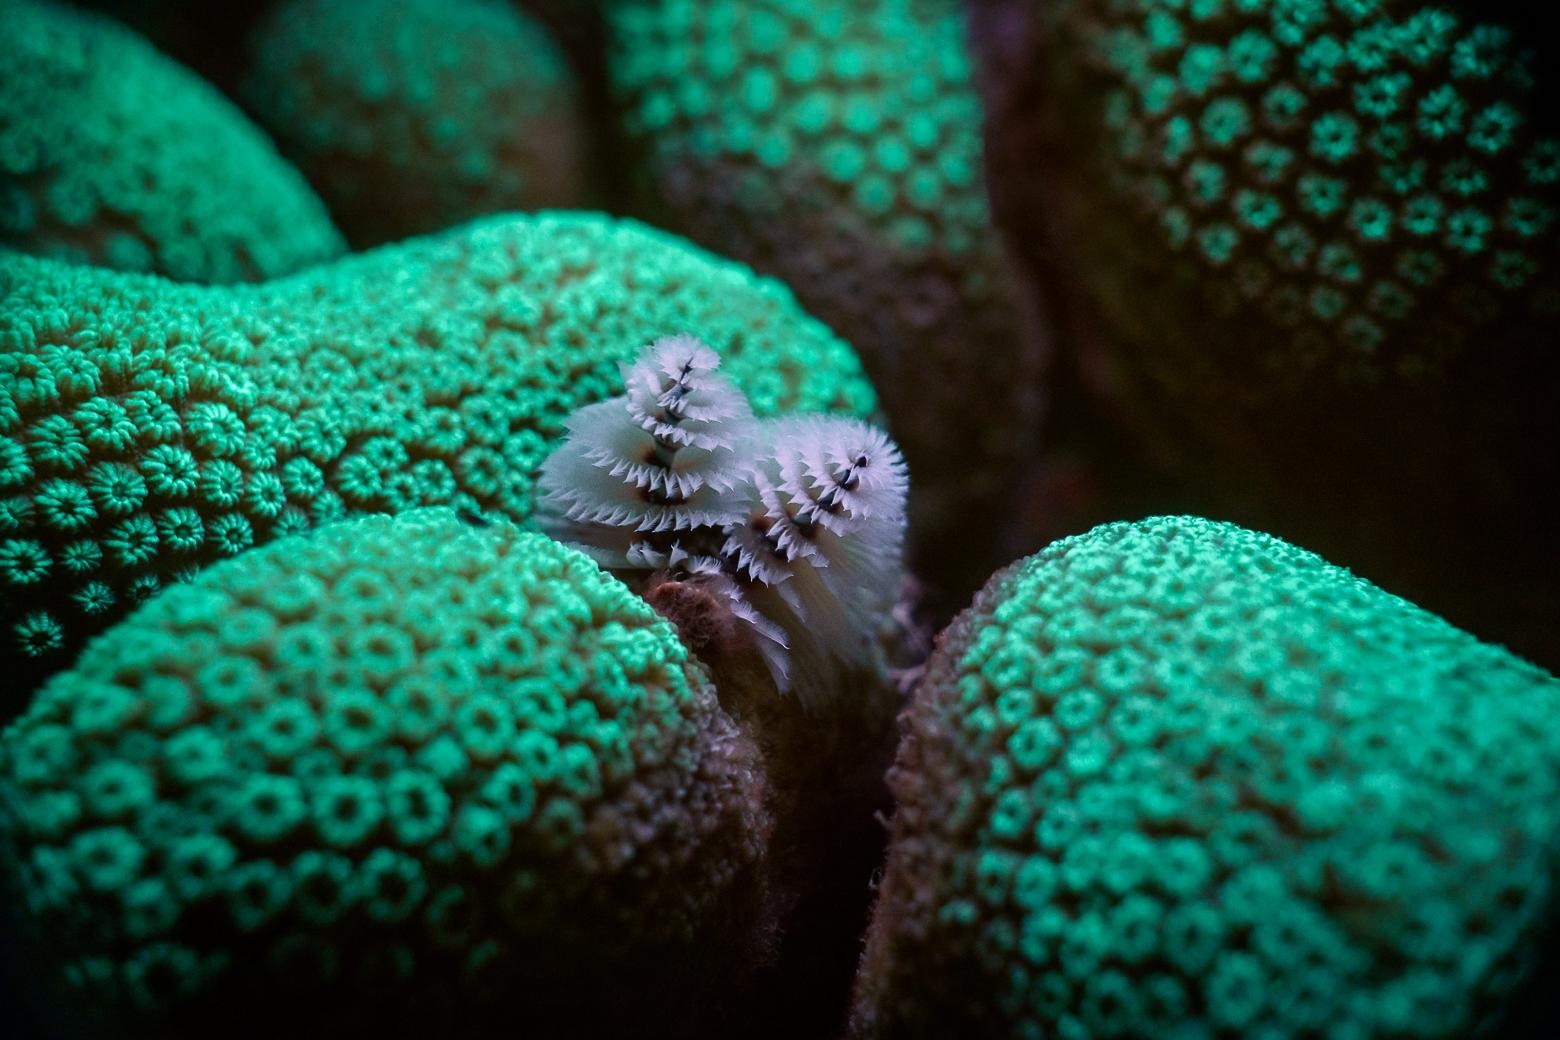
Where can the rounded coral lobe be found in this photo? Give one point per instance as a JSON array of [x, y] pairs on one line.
[[396, 770], [410, 116], [148, 429], [1178, 778], [1373, 182], [114, 155]]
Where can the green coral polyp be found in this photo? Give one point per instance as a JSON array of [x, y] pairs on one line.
[[1178, 778], [191, 793], [112, 154], [161, 427]]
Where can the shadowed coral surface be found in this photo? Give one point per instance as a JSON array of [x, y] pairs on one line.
[[148, 428], [400, 770], [1370, 182], [1308, 251], [209, 38], [112, 154], [1176, 778], [413, 115], [836, 144]]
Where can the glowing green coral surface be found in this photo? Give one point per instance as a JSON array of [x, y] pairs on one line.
[[1306, 251], [836, 143], [1176, 778], [1374, 181], [148, 428], [413, 115], [112, 154], [403, 760]]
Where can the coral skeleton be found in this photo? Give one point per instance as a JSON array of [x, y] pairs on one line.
[[795, 524], [114, 155]]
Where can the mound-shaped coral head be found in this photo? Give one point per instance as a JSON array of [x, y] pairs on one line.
[[400, 770], [1177, 778]]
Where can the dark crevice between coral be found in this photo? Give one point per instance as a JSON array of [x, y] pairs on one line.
[[209, 38], [580, 28], [826, 771]]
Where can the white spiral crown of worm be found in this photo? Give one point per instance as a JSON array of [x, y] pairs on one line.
[[797, 523]]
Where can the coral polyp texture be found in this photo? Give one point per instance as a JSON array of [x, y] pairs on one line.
[[1176, 778], [835, 143], [112, 154], [1371, 182], [399, 770], [795, 525], [148, 428], [413, 115], [1306, 246]]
